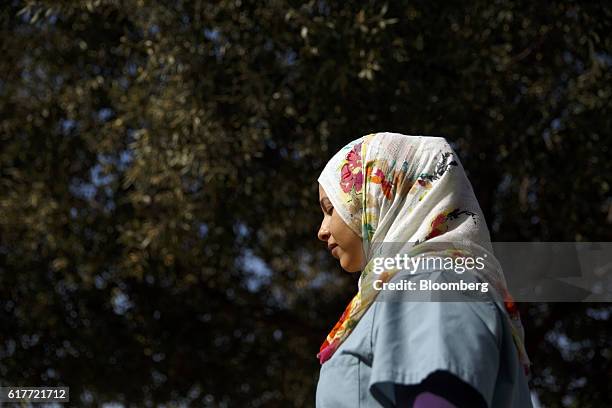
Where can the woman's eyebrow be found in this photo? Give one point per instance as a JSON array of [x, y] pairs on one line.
[[322, 203]]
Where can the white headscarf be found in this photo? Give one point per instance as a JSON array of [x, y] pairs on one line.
[[391, 188]]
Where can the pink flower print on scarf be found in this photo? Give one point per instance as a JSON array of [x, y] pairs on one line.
[[351, 174]]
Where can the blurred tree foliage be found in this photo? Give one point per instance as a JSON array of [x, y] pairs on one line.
[[158, 202]]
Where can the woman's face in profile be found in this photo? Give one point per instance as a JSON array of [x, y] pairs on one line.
[[343, 242]]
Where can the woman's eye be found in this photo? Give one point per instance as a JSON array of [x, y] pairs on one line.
[[330, 210]]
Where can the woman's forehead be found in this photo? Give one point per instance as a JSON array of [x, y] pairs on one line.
[[322, 192]]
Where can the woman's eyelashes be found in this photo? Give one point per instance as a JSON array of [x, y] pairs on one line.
[[327, 208]]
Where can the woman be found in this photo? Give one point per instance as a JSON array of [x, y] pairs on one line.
[[385, 195]]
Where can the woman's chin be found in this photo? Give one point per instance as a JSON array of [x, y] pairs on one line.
[[348, 267]]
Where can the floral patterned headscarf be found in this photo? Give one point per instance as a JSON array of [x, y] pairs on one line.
[[394, 188]]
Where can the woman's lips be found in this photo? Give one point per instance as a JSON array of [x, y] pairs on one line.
[[332, 247]]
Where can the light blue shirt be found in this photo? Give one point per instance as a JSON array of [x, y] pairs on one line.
[[403, 342]]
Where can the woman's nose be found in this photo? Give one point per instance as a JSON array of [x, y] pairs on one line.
[[323, 233]]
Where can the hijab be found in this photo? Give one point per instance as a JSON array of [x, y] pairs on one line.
[[411, 191]]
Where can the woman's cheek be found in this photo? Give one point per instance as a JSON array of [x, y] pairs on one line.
[[339, 230], [333, 230]]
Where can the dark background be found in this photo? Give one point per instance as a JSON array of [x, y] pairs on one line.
[[158, 196]]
